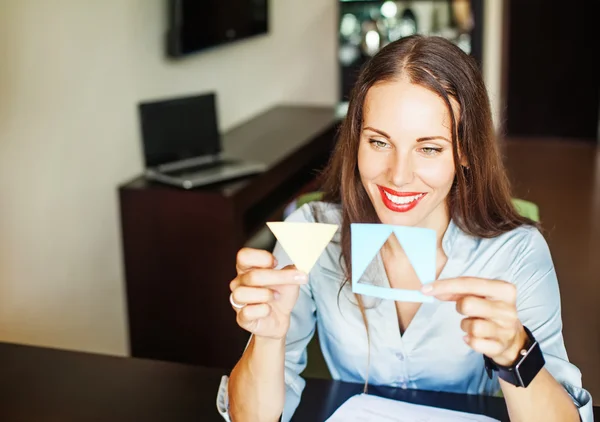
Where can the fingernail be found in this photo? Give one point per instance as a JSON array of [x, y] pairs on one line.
[[275, 263], [428, 288], [301, 277], [467, 339], [276, 295]]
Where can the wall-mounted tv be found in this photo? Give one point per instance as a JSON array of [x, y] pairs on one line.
[[196, 25]]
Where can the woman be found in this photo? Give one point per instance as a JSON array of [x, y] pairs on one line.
[[417, 148]]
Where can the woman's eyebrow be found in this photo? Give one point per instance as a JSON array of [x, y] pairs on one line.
[[431, 138], [381, 132], [422, 139]]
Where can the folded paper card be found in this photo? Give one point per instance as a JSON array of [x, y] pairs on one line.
[[419, 244], [303, 242], [369, 408]]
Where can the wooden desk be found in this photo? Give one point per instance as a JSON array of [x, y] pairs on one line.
[[179, 246], [46, 385]]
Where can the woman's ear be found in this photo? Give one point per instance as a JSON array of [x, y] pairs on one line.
[[463, 159]]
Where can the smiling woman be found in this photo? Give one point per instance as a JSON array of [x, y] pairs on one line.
[[417, 148]]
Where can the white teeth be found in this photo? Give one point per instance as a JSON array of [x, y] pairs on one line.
[[402, 200]]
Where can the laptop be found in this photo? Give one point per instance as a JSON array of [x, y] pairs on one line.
[[182, 143]]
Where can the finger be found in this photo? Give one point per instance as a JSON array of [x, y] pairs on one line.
[[236, 281], [250, 313], [499, 312], [248, 258], [234, 284], [478, 327], [449, 297], [485, 346], [492, 289], [245, 295], [262, 277]]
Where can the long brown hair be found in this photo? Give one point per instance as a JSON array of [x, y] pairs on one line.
[[480, 200]]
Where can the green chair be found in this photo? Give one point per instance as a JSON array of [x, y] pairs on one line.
[[316, 366], [527, 209]]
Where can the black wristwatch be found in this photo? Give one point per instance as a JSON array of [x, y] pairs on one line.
[[524, 369]]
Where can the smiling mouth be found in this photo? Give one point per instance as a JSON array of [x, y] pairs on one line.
[[400, 201]]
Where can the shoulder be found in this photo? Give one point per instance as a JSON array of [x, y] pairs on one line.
[[525, 243], [524, 252], [317, 212]]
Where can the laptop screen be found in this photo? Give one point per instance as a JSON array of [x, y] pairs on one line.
[[180, 128]]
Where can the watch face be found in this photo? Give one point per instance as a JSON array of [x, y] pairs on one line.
[[523, 371], [529, 366]]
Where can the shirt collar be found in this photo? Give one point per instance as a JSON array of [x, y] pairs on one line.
[[450, 237]]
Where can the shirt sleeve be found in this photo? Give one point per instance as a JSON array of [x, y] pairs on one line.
[[539, 308], [300, 332]]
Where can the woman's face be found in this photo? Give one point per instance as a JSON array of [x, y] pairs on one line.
[[405, 155]]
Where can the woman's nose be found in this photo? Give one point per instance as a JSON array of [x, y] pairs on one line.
[[401, 169]]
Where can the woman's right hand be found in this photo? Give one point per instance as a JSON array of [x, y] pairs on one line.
[[267, 295]]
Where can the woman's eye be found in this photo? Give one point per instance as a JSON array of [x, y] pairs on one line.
[[431, 150], [378, 144]]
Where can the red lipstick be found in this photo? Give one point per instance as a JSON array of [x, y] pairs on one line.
[[399, 207]]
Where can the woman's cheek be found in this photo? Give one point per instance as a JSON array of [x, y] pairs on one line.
[[437, 173], [370, 166]]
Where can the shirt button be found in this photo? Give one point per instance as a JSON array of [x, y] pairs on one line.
[[400, 355]]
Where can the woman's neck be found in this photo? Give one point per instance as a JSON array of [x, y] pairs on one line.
[[392, 247]]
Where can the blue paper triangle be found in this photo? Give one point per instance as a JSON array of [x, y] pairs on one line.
[[367, 240], [419, 246]]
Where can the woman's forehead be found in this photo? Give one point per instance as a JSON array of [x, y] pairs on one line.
[[401, 105]]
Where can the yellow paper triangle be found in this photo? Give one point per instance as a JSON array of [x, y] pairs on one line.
[[303, 242]]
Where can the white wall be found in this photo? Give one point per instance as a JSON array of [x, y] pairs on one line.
[[71, 73]]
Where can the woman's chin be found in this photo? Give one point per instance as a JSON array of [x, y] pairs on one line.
[[393, 218]]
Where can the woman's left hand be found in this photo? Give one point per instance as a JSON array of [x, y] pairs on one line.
[[491, 325]]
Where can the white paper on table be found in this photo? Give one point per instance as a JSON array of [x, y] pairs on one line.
[[369, 408]]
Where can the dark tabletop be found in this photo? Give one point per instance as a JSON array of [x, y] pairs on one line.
[[322, 397], [43, 385]]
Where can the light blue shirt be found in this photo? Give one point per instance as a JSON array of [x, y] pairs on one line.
[[431, 354]]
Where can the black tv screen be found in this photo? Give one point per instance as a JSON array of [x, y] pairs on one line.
[[196, 25]]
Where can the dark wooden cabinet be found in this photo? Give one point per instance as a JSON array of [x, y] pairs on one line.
[[179, 245]]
